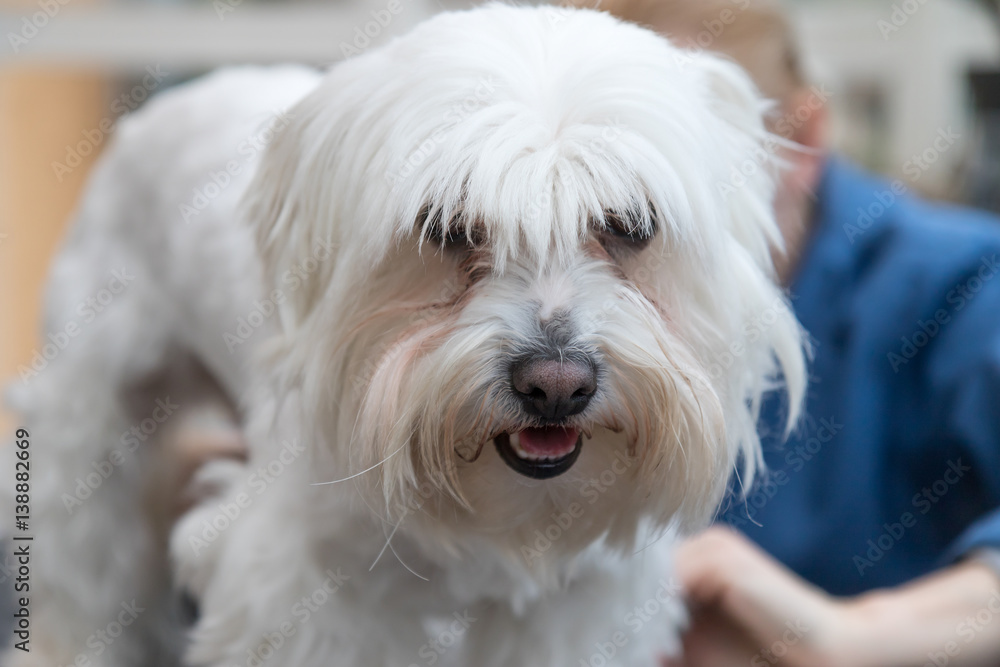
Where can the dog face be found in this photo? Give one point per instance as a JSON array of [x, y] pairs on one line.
[[549, 296]]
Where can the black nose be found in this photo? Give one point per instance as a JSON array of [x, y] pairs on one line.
[[552, 388]]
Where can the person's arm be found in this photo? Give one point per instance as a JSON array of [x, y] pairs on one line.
[[748, 609], [951, 617]]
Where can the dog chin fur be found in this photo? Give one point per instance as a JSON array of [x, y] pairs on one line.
[[422, 217]]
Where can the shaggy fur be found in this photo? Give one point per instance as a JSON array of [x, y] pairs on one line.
[[358, 258]]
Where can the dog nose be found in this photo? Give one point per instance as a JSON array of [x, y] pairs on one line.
[[554, 389]]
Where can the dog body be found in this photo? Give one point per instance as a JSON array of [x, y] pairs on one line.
[[475, 294]]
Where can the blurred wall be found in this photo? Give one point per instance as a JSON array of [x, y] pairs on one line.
[[894, 73], [42, 113]]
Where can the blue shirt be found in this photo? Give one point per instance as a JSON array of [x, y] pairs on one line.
[[895, 469]]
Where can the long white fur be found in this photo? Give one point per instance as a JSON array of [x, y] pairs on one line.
[[526, 126]]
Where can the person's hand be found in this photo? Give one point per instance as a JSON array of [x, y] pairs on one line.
[[193, 438], [193, 449], [747, 609]]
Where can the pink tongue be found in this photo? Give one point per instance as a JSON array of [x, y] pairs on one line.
[[553, 441]]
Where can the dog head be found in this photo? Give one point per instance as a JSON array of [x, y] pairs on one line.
[[548, 296]]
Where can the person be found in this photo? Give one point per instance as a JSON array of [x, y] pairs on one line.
[[874, 539]]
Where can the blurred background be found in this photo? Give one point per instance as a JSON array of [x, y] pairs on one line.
[[913, 85]]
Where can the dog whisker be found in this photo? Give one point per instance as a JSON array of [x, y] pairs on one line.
[[388, 540], [408, 568], [663, 533], [358, 474]]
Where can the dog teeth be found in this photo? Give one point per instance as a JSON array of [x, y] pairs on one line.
[[515, 444]]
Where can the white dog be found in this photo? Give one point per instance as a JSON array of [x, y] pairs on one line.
[[496, 318]]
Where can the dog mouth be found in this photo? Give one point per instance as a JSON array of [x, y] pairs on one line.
[[540, 453]]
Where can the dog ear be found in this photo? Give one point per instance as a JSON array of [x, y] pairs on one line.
[[747, 188], [754, 160], [289, 214]]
